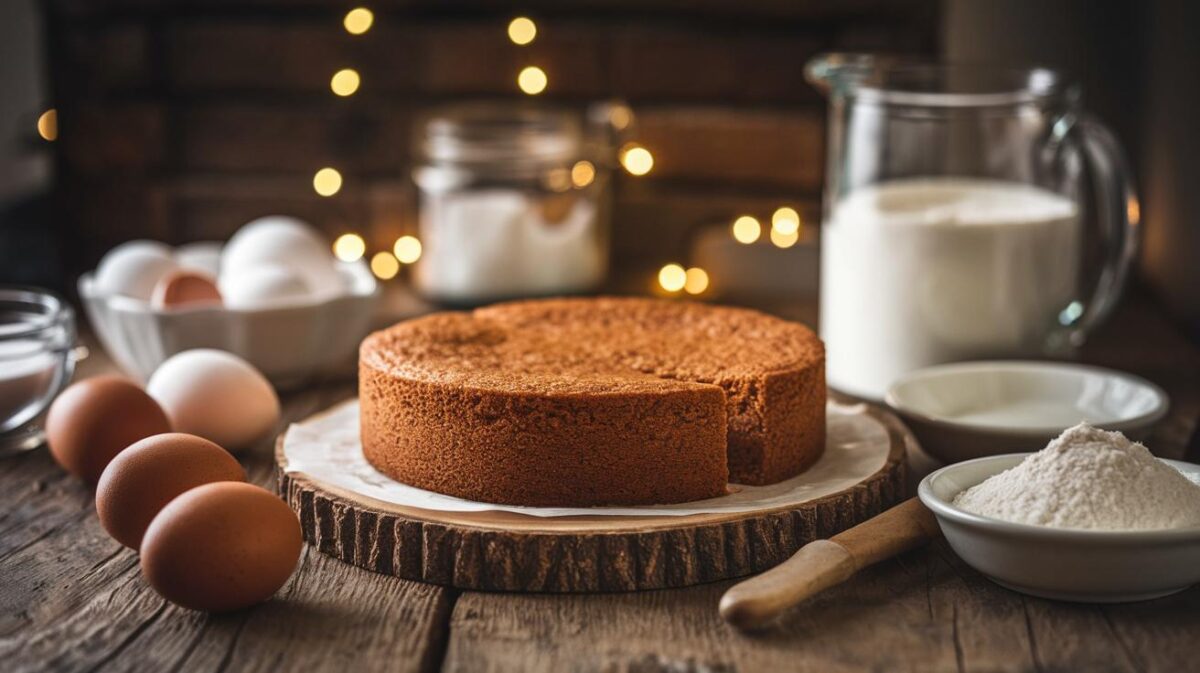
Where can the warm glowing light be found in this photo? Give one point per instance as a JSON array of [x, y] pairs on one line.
[[327, 181], [782, 240], [558, 179], [47, 125], [345, 82], [746, 229], [532, 80], [358, 20], [636, 159], [582, 173], [696, 280], [620, 116], [672, 277], [786, 221], [385, 266], [522, 30], [349, 247], [1133, 210], [407, 249]]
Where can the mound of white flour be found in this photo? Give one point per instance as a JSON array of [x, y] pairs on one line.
[[1088, 478]]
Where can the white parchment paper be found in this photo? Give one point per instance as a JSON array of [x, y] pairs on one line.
[[327, 450]]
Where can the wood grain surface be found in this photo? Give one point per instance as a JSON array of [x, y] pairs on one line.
[[71, 599], [505, 551]]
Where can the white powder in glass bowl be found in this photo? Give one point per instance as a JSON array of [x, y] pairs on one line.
[[1092, 479]]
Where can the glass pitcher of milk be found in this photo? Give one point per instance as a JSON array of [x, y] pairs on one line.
[[953, 223]]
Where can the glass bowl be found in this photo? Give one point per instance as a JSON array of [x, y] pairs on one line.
[[37, 335]]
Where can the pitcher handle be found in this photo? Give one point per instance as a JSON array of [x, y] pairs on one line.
[[1118, 214]]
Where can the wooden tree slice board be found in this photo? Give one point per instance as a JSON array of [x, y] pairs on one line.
[[506, 551]]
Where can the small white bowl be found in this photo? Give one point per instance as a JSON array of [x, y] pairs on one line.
[[1064, 564], [973, 409], [289, 344]]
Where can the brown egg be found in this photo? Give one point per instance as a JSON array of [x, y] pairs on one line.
[[143, 478], [185, 288], [95, 419], [221, 546]]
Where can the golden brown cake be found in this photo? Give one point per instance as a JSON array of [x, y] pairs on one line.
[[592, 401]]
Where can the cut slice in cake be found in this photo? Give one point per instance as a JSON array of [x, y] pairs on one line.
[[592, 401]]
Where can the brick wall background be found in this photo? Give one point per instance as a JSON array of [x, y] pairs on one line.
[[183, 119]]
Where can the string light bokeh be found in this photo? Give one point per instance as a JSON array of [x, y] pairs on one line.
[[620, 116], [636, 159], [358, 20], [384, 265], [522, 30], [746, 229], [47, 125], [784, 240], [407, 249], [583, 173], [785, 227], [672, 277], [349, 247], [786, 221], [345, 82], [327, 181], [532, 80], [696, 280]]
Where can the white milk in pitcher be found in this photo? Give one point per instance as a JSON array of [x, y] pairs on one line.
[[918, 272]]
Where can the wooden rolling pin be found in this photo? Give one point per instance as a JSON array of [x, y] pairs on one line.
[[821, 564]]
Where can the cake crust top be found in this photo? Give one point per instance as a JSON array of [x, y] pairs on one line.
[[591, 346]]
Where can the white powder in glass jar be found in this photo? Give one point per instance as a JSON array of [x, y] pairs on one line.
[[1092, 479], [499, 244]]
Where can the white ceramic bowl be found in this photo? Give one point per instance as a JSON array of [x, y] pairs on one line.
[[973, 409], [289, 344], [1063, 564]]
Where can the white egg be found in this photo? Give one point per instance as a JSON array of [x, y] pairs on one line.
[[143, 244], [264, 286], [216, 395], [289, 242], [202, 256], [133, 269]]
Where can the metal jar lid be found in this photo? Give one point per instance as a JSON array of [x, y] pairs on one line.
[[499, 136]]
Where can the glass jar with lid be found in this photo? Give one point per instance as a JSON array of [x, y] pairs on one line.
[[513, 202]]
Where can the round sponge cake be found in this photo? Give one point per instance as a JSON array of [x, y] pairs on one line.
[[581, 402]]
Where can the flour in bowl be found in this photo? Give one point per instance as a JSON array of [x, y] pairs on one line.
[[1092, 479]]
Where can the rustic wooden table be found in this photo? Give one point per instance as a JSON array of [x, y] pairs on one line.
[[72, 599]]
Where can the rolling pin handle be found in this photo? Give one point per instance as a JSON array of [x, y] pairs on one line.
[[822, 564], [759, 600]]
